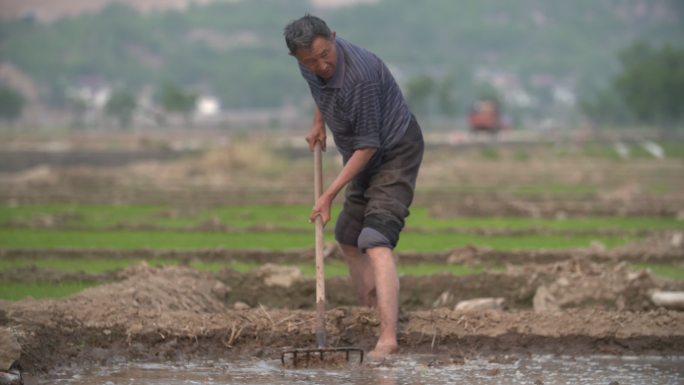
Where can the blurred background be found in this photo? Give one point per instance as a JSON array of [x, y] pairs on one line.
[[140, 128], [74, 65]]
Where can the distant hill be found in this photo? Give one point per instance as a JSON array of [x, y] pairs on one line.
[[52, 10], [537, 51]]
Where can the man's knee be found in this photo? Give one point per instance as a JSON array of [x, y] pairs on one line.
[[370, 238], [350, 252], [385, 226]]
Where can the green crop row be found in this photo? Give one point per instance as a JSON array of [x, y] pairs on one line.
[[419, 242], [66, 216]]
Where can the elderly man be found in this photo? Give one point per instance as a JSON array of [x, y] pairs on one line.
[[381, 145]]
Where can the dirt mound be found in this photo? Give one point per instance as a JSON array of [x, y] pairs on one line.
[[144, 290], [581, 284], [169, 288]]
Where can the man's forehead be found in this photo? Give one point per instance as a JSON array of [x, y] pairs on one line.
[[319, 45]]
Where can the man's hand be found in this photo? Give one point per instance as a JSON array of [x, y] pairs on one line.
[[322, 209], [356, 163], [316, 135], [317, 131]]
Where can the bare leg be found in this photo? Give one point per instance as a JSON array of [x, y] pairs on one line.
[[387, 287], [361, 273]]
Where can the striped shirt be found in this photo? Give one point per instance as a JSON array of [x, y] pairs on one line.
[[361, 104]]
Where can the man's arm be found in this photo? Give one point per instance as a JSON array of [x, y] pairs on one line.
[[354, 165]]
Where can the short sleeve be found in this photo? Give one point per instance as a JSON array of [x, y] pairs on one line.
[[366, 114]]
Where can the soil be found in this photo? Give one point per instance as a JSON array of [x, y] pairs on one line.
[[550, 301], [179, 313]]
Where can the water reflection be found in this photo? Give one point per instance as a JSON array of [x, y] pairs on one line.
[[549, 370], [383, 380]]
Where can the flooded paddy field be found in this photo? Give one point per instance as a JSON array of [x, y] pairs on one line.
[[404, 370], [568, 246]]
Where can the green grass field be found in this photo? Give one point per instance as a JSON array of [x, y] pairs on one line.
[[418, 242], [14, 291], [280, 227], [103, 217], [271, 227]]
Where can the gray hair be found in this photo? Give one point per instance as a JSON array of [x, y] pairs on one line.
[[301, 33]]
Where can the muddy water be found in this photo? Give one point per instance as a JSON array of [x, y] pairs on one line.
[[423, 369]]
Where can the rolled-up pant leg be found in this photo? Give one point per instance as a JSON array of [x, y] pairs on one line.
[[377, 202]]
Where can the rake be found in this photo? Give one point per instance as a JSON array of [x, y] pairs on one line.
[[321, 354]]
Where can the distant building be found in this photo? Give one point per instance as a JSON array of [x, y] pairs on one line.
[[207, 107]]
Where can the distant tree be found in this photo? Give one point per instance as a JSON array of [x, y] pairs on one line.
[[11, 104], [418, 93], [606, 107], [648, 90], [173, 98], [121, 106], [487, 91], [651, 83], [447, 103]]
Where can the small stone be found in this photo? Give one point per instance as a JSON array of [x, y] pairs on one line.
[[598, 246], [220, 290], [479, 304], [281, 276], [443, 299]]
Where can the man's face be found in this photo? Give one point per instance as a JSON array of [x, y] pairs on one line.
[[321, 58]]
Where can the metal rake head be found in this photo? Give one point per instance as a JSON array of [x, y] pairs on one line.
[[321, 357]]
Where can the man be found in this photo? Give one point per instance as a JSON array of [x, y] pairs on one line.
[[381, 146]]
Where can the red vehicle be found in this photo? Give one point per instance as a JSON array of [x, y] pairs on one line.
[[485, 116]]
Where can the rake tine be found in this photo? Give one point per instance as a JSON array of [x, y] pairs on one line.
[[321, 354]]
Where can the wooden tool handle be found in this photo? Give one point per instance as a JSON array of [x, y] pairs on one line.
[[318, 171], [320, 267]]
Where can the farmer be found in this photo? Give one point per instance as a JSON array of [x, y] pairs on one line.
[[381, 146]]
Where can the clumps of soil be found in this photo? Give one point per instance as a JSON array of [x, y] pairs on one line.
[[143, 289], [176, 312], [174, 288], [584, 284], [10, 351], [574, 283], [661, 246]]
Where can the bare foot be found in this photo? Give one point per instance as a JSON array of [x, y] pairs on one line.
[[382, 351]]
